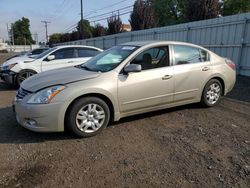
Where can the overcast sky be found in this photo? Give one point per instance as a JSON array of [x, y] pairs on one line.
[[62, 13]]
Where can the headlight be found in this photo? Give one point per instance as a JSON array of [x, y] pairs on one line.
[[46, 95], [8, 67]]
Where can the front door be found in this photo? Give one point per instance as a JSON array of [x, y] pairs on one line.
[[65, 57], [152, 87]]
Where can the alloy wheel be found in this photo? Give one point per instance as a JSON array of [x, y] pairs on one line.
[[90, 118]]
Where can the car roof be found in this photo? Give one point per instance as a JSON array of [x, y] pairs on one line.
[[155, 42], [74, 46]]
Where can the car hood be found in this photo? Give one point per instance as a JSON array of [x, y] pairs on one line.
[[17, 60], [57, 77]]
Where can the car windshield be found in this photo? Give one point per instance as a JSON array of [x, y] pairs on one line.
[[109, 59], [44, 53]]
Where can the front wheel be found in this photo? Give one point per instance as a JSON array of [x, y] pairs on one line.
[[211, 93], [23, 75], [87, 116]]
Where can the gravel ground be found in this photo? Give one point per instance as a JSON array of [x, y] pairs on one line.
[[187, 146]]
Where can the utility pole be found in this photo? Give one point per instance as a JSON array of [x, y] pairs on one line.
[[8, 32], [81, 22], [35, 37], [46, 28]]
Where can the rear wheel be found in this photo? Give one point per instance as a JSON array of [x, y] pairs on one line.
[[23, 75], [87, 116], [211, 93]]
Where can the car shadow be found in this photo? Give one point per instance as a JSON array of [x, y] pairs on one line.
[[157, 113], [241, 90], [12, 133], [7, 87]]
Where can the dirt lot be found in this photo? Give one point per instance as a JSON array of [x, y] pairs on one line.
[[188, 146]]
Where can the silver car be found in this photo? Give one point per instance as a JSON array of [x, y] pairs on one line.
[[125, 80]]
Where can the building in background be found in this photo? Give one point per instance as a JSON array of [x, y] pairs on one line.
[[126, 27]]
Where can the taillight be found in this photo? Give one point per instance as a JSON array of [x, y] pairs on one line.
[[230, 64]]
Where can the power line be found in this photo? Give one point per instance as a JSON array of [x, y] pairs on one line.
[[108, 6], [127, 7], [103, 16], [109, 17]]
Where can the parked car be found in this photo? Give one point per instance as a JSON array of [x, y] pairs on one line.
[[128, 79], [15, 71], [29, 54]]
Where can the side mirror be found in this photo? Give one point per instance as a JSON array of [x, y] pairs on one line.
[[132, 68], [51, 57]]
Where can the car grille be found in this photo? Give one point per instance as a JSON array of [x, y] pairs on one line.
[[21, 93]]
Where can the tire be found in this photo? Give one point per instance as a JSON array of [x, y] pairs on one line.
[[87, 117], [23, 75], [212, 93]]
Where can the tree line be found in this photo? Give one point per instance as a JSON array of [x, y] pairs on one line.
[[146, 14]]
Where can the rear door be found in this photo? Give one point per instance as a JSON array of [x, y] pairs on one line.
[[64, 57], [192, 67]]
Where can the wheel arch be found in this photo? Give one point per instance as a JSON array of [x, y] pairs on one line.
[[220, 79], [106, 99]]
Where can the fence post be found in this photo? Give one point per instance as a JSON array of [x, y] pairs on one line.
[[154, 35], [242, 44], [115, 40], [103, 43], [131, 37], [187, 35], [94, 41]]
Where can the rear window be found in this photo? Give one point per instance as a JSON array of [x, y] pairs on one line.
[[188, 55], [87, 52]]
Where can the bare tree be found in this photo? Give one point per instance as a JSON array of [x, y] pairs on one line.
[[114, 24], [202, 9], [142, 16]]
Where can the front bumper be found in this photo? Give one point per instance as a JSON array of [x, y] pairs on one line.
[[40, 117]]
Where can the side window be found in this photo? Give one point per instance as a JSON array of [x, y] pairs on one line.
[[87, 52], [186, 55], [153, 58], [37, 51], [66, 53]]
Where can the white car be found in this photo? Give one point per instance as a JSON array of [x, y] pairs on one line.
[[16, 70]]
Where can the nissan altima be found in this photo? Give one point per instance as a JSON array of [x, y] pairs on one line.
[[125, 80]]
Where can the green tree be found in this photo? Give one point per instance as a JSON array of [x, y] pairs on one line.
[[86, 29], [202, 9], [55, 38], [21, 32], [142, 16], [169, 12], [230, 7], [98, 30], [65, 37]]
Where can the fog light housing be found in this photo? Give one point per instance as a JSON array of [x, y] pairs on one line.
[[30, 122]]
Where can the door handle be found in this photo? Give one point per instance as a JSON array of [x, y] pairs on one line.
[[70, 61], [205, 69], [166, 77]]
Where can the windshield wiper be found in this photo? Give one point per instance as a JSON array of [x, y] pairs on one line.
[[87, 68]]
